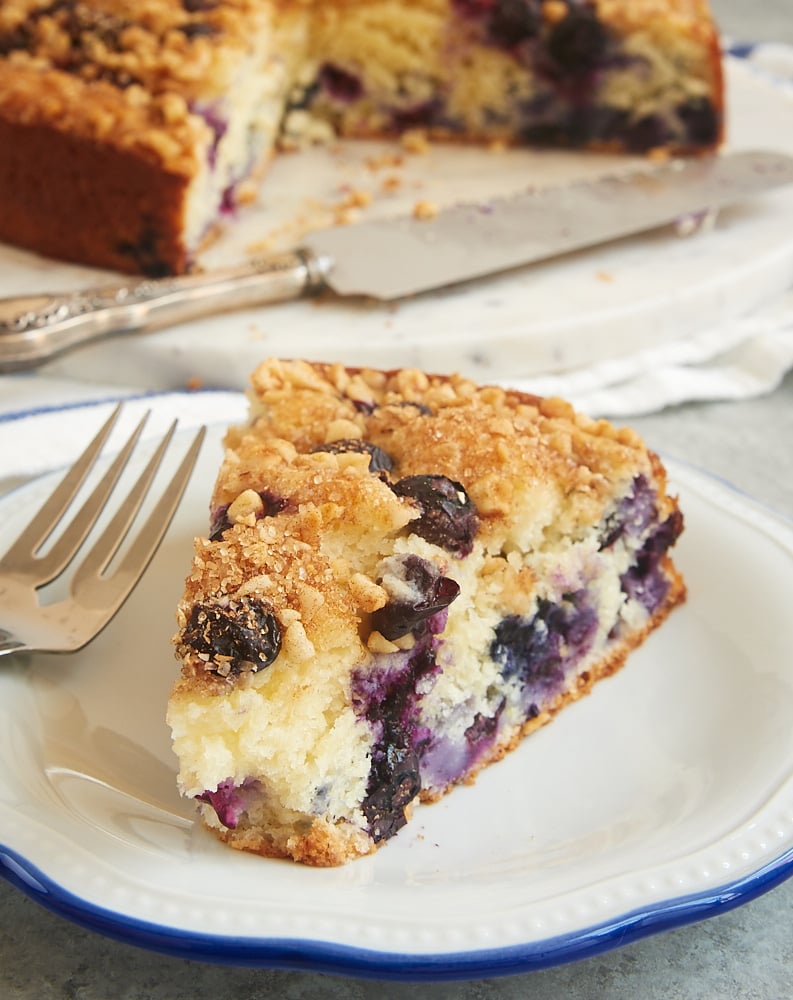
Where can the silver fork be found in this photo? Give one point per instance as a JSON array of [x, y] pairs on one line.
[[94, 595]]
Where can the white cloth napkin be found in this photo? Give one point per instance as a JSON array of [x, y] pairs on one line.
[[740, 360]]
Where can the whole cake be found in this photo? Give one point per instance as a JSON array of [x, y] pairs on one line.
[[130, 128], [404, 575]]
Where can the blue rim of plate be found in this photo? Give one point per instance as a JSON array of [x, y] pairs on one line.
[[305, 955]]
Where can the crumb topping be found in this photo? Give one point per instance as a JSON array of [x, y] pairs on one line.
[[127, 72], [306, 524]]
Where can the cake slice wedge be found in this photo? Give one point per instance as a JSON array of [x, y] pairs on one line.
[[404, 575]]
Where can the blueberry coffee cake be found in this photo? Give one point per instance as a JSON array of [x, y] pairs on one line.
[[129, 129], [403, 576]]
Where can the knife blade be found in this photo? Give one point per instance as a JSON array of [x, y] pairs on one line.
[[470, 241], [388, 259]]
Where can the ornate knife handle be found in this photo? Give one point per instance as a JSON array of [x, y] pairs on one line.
[[34, 328]]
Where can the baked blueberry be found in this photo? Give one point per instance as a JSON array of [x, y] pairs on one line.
[[393, 783], [243, 635], [145, 252], [198, 6], [339, 83], [379, 461], [578, 43], [429, 593], [513, 21], [219, 519], [448, 516], [646, 581], [649, 132], [633, 515], [702, 124], [536, 651], [424, 113], [229, 800], [388, 696]]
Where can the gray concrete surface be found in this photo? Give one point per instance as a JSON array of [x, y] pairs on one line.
[[743, 954]]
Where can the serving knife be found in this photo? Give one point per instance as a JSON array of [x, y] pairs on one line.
[[387, 259]]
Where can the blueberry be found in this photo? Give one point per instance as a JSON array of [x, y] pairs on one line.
[[365, 406], [598, 121], [394, 783], [483, 727], [219, 521], [417, 115], [448, 517], [648, 132], [578, 43], [230, 801], [21, 37], [388, 697], [379, 461], [228, 199], [226, 801], [474, 9], [214, 119], [339, 83], [241, 636], [536, 651], [645, 581], [701, 121], [431, 593], [144, 251], [513, 21], [545, 133], [424, 410], [634, 514]]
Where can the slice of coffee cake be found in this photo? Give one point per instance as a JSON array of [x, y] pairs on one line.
[[404, 575]]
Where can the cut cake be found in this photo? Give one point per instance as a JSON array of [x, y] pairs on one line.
[[404, 575], [129, 129]]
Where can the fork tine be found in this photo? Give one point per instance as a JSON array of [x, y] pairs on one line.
[[93, 589], [18, 557], [40, 570], [113, 535]]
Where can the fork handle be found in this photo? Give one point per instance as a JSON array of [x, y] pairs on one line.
[[35, 328]]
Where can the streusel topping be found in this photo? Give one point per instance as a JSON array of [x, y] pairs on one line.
[[337, 464], [128, 72]]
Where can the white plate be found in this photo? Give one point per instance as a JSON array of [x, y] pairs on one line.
[[611, 302], [664, 797]]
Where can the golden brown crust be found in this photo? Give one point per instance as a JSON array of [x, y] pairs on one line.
[[130, 219], [325, 845]]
